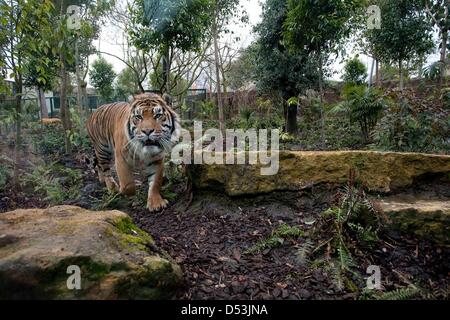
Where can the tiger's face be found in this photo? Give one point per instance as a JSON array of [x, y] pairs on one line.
[[151, 122]]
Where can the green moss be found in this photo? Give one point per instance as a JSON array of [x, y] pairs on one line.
[[132, 236], [434, 227], [52, 282], [156, 279]]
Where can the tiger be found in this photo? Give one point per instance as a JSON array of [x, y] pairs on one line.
[[139, 133]]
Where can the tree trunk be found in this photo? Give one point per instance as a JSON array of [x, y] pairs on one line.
[[400, 72], [64, 112], [371, 73], [378, 73], [166, 70], [78, 76], [218, 80], [420, 67], [18, 137], [443, 56], [42, 103], [444, 32], [84, 98], [291, 119], [321, 93]]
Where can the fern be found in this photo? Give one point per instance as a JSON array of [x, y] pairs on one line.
[[277, 238], [400, 294], [303, 253]]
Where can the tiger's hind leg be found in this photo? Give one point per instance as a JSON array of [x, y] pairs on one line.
[[104, 171]]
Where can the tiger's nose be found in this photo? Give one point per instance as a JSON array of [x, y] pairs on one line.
[[148, 131]]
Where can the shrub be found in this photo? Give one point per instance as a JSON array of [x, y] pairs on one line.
[[410, 125], [48, 140], [6, 167], [363, 106], [78, 135], [207, 109], [54, 182], [349, 227]]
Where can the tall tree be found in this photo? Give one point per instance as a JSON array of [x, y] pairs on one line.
[[318, 28], [222, 11], [404, 35], [166, 25], [277, 69], [76, 24], [355, 72], [102, 76], [24, 24], [437, 11]]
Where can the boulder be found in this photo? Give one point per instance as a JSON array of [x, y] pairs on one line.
[[424, 218], [378, 171], [116, 259]]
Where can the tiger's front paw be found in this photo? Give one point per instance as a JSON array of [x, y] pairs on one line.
[[156, 203]]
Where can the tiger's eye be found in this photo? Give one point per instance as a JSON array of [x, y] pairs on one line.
[[138, 117]]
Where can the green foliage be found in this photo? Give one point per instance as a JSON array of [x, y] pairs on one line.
[[406, 293], [445, 97], [354, 223], [246, 114], [8, 113], [275, 68], [339, 133], [433, 71], [54, 182], [164, 23], [408, 126], [277, 238], [102, 76], [363, 106], [318, 25], [6, 166], [207, 109], [48, 139], [405, 34], [355, 72], [400, 294], [78, 135], [126, 84], [24, 26], [108, 200]]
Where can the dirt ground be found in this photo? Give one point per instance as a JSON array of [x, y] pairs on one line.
[[209, 236]]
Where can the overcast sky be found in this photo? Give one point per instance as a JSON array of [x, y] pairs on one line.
[[111, 38]]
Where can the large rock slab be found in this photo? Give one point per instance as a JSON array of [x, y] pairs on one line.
[[379, 171], [424, 218], [117, 260]]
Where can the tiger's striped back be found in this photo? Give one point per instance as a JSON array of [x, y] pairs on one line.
[[102, 126]]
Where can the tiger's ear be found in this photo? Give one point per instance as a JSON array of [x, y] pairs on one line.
[[168, 99]]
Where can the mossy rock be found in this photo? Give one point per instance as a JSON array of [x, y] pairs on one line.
[[428, 219], [377, 171], [117, 260]]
